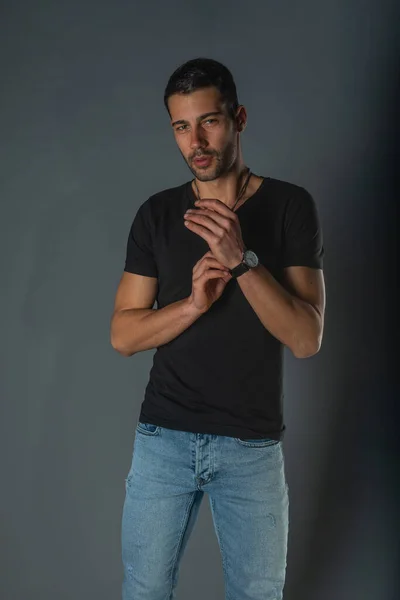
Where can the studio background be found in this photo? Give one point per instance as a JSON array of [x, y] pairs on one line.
[[85, 140]]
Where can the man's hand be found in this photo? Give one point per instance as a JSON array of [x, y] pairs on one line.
[[219, 226], [209, 280]]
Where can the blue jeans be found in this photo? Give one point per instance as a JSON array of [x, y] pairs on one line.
[[245, 481]]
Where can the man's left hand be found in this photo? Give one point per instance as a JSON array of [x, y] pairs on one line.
[[219, 226]]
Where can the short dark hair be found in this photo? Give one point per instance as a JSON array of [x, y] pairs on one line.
[[201, 73]]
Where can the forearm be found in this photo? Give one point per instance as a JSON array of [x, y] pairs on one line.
[[135, 330], [291, 320]]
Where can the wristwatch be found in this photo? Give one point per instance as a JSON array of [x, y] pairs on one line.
[[249, 261]]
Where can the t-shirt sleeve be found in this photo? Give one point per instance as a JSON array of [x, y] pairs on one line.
[[302, 233], [139, 249]]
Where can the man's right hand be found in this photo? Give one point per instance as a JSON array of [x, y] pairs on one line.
[[208, 282]]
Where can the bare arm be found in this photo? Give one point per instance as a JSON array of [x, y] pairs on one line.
[[136, 326], [292, 312]]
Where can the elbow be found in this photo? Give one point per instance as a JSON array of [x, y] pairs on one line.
[[116, 339], [118, 347], [305, 353], [123, 352], [309, 344], [307, 349]]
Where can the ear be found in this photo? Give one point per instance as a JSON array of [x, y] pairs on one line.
[[240, 120]]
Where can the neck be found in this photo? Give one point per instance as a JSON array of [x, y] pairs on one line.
[[227, 187]]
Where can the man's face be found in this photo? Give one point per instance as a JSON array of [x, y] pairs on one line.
[[202, 128]]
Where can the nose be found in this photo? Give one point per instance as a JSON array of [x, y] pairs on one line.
[[196, 139]]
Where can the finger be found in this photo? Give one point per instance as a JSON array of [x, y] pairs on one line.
[[203, 258], [217, 206], [209, 253], [209, 263], [205, 266], [199, 273], [213, 274], [211, 220]]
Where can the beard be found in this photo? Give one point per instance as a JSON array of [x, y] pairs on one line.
[[222, 164]]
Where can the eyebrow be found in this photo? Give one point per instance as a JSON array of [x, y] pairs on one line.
[[200, 118]]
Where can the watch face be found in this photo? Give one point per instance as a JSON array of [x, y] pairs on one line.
[[250, 258]]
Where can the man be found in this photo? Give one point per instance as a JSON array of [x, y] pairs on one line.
[[234, 261]]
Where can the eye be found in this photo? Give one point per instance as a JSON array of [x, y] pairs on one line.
[[211, 121], [180, 127]]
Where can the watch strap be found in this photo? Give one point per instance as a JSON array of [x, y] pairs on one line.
[[239, 269]]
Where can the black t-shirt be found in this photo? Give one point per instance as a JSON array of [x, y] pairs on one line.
[[223, 374]]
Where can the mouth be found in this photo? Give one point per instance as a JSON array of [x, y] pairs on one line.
[[202, 161]]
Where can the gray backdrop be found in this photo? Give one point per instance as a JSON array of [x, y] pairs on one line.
[[85, 139]]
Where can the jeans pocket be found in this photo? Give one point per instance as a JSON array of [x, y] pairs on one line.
[[265, 442], [148, 428]]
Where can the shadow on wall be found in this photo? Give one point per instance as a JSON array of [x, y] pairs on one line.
[[348, 551]]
